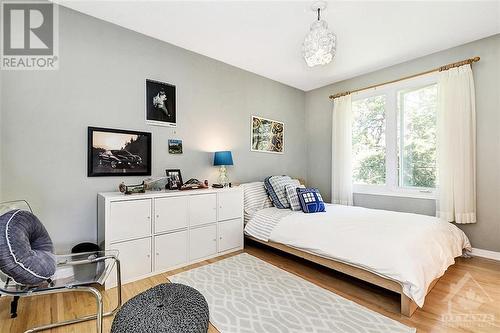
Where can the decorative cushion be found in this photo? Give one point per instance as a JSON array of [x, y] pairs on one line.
[[255, 198], [166, 308], [310, 200], [292, 196], [275, 186], [26, 250]]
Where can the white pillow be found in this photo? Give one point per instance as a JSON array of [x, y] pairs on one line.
[[293, 197], [255, 198]]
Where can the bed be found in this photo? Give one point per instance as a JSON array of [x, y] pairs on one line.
[[402, 252]]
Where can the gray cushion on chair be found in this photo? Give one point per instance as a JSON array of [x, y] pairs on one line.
[[26, 250]]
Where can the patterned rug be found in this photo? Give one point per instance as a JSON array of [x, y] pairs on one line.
[[248, 295]]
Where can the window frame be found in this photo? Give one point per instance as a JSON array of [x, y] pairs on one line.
[[392, 177]]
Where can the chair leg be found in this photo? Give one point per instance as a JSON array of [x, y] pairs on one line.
[[13, 307], [98, 316]]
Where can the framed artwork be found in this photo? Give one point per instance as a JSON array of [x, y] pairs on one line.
[[174, 146], [160, 104], [267, 135], [115, 152], [174, 179]]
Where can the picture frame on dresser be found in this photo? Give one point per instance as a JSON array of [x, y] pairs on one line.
[[174, 179], [118, 152]]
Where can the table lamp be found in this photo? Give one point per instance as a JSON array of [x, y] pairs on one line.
[[221, 159]]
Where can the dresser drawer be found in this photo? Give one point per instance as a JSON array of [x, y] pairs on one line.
[[202, 242], [202, 209], [171, 250], [135, 260], [230, 205], [171, 213], [129, 219]]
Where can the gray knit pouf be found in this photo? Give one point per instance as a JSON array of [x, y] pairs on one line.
[[166, 308]]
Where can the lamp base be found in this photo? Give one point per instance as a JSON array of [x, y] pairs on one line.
[[223, 179]]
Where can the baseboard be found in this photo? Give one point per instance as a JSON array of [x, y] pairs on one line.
[[486, 254]]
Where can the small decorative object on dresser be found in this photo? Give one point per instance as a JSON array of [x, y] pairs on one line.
[[174, 179], [160, 104], [113, 152], [222, 159], [156, 184], [267, 135], [130, 189], [174, 146]]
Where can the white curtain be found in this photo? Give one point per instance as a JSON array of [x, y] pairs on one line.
[[342, 151], [457, 145]]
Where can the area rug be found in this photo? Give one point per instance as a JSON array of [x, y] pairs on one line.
[[248, 295]]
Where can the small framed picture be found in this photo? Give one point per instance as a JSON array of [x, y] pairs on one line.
[[174, 179], [174, 146], [160, 104], [267, 135]]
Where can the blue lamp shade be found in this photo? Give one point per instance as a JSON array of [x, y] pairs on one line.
[[223, 158]]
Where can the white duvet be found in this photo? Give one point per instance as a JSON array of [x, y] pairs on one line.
[[409, 248]]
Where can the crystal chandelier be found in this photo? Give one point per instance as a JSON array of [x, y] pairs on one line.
[[319, 44]]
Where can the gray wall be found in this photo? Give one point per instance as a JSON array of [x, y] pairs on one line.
[[486, 233], [101, 83]]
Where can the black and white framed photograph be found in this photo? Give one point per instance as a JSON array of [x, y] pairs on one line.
[[174, 179], [116, 152], [160, 104]]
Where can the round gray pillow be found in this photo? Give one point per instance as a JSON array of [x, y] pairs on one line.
[[26, 250]]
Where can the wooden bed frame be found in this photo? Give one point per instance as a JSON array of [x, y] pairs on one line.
[[408, 306]]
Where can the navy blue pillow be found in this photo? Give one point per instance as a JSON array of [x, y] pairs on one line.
[[310, 200], [26, 250]]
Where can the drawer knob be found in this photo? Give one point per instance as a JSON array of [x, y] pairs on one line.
[[149, 217], [148, 255], [157, 215], [157, 253]]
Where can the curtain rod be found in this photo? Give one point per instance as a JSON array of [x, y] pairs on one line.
[[438, 69]]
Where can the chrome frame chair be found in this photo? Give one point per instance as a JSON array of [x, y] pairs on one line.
[[107, 261]]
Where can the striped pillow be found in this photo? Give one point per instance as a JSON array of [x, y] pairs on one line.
[[255, 198], [275, 186], [293, 198]]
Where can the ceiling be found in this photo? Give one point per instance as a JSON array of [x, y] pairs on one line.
[[265, 37]]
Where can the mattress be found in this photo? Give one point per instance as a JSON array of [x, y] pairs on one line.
[[411, 249]]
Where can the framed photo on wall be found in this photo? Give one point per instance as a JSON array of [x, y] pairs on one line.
[[267, 135], [160, 104], [174, 146], [115, 152]]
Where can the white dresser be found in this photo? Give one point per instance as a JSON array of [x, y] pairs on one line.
[[160, 231]]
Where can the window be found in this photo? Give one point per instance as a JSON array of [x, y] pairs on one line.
[[368, 140], [417, 137], [394, 139]]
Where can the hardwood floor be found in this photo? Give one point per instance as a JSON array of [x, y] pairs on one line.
[[470, 286]]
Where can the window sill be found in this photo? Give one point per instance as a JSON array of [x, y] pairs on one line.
[[403, 194]]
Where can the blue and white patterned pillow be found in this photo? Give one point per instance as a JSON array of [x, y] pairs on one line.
[[292, 196], [310, 200], [275, 186]]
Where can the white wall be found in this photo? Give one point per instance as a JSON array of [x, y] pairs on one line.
[[100, 82], [486, 233]]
